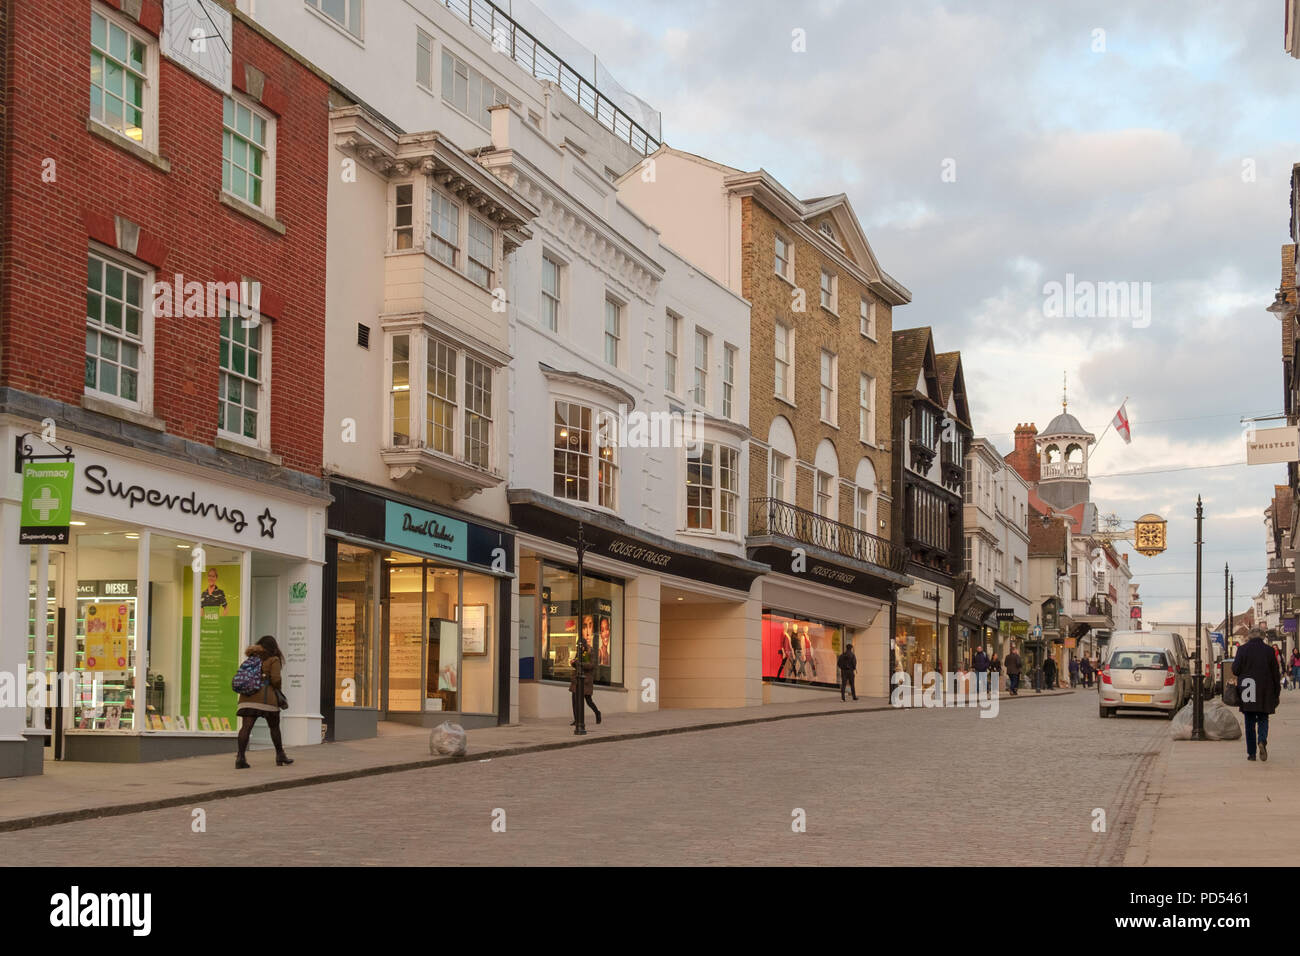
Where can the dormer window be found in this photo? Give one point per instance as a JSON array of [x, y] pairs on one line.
[[827, 230]]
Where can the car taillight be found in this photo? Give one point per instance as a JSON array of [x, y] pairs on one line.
[[1170, 678], [1105, 676]]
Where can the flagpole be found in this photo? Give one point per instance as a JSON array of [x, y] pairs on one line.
[[1108, 426]]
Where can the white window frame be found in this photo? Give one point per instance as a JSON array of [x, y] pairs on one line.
[[144, 373], [318, 7], [474, 82], [395, 227], [672, 349], [149, 130], [616, 336], [830, 296], [829, 392], [723, 504], [556, 299], [867, 317], [784, 254], [729, 355], [263, 438], [424, 49], [786, 394], [778, 473], [867, 409], [475, 261], [824, 501], [864, 510], [268, 174], [601, 423], [437, 241], [700, 386], [423, 342]]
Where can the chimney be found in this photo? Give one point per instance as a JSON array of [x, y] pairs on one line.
[[1024, 459]]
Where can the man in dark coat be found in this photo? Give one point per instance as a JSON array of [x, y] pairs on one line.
[[1085, 672], [1013, 671], [1259, 685], [848, 664], [981, 667], [1049, 673]]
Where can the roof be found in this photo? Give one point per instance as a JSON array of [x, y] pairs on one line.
[[1064, 424], [952, 378], [910, 346]]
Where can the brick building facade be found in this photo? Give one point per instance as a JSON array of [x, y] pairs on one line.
[[162, 276]]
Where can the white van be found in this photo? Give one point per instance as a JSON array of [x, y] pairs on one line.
[[1171, 641]]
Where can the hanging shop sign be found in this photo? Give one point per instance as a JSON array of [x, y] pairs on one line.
[[1281, 582], [47, 502], [1149, 535], [1273, 446]]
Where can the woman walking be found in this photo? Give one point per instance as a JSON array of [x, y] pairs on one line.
[[264, 702], [588, 682]]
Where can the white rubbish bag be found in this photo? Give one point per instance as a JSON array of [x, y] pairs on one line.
[[1181, 726], [448, 739], [1220, 722]]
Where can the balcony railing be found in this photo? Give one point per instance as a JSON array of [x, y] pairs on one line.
[[1099, 605], [498, 28], [772, 516], [1064, 469]]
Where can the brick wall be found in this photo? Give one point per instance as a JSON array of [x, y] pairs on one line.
[[183, 227], [815, 329], [1024, 457]]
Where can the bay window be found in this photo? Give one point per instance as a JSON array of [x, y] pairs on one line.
[[453, 420], [479, 266], [712, 488], [585, 467]]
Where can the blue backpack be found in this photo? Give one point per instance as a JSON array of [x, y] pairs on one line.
[[248, 679]]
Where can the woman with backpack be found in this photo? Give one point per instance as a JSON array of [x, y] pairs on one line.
[[266, 701]]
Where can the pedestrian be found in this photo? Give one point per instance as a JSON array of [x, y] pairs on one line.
[[995, 673], [1295, 669], [981, 673], [1049, 673], [1074, 672], [848, 664], [1259, 684], [588, 682], [265, 702], [1013, 671]]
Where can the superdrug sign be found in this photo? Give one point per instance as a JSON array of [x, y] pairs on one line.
[[98, 483]]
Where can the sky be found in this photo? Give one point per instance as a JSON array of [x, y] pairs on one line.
[[992, 148]]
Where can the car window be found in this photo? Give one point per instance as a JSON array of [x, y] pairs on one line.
[[1139, 660]]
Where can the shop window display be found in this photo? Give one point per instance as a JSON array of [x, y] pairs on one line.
[[106, 633], [355, 627], [601, 623], [914, 645], [801, 650]]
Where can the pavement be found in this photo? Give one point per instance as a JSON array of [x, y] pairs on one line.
[[71, 791], [1207, 805]]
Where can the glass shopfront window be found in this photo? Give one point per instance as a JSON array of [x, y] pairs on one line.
[[601, 621], [801, 650], [914, 644], [355, 626], [478, 650], [106, 634]]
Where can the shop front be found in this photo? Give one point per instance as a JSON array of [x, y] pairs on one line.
[[416, 623], [813, 607], [921, 625], [672, 625], [168, 573]]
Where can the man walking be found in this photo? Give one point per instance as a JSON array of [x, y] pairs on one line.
[[981, 663], [1259, 685], [848, 663], [1074, 672], [1049, 673], [1085, 672], [1013, 671]]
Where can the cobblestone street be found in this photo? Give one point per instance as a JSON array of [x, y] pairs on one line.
[[920, 787]]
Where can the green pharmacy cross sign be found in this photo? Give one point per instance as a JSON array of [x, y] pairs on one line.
[[47, 496]]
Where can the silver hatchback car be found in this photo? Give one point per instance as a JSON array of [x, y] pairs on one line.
[[1139, 678]]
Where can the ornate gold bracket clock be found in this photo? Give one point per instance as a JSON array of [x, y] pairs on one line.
[[1149, 535]]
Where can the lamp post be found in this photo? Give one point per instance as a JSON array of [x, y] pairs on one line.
[[1198, 686], [579, 711], [936, 596]]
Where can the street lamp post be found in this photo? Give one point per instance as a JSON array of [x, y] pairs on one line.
[[1198, 686], [579, 710], [936, 596]]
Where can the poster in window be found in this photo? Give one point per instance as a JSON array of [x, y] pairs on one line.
[[107, 625], [473, 630]]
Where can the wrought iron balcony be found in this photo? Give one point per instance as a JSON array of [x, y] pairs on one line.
[[772, 516]]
